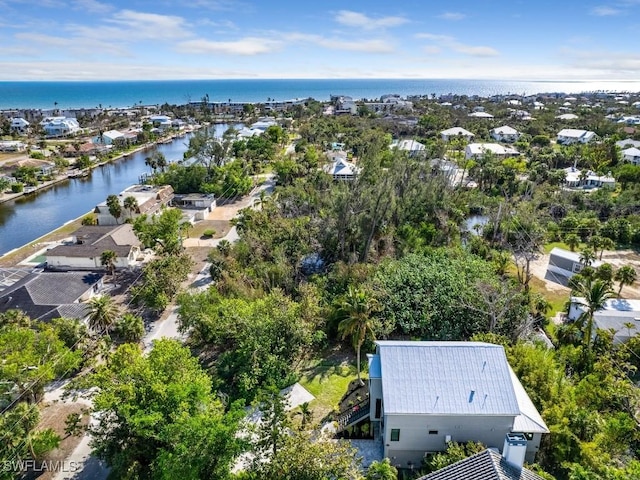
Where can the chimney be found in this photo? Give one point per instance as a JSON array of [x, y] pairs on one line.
[[515, 449]]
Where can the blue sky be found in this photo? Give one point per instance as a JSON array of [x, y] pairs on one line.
[[164, 39]]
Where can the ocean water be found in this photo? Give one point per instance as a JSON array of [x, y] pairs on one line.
[[49, 95]]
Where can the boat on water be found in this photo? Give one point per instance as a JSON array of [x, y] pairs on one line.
[[79, 173]]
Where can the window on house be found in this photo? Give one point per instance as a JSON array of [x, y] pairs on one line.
[[395, 434], [433, 432], [378, 407]]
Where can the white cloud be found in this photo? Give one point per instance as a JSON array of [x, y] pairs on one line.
[[604, 11], [244, 46], [72, 45], [360, 20], [92, 6], [150, 25], [447, 41], [366, 46], [454, 16]]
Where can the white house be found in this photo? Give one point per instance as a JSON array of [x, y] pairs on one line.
[[60, 126], [480, 115], [90, 242], [19, 126], [567, 116], [631, 155], [12, 146], [150, 201], [423, 395], [339, 168], [456, 132], [575, 178], [627, 143], [618, 314], [505, 134], [478, 149], [569, 136], [108, 137], [413, 147]]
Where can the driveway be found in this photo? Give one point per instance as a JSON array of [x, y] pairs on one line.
[[167, 327]]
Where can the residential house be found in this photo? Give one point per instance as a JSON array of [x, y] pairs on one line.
[[196, 205], [586, 179], [627, 143], [567, 116], [344, 105], [341, 169], [12, 146], [631, 155], [84, 251], [489, 465], [48, 295], [505, 134], [475, 150], [456, 132], [569, 136], [161, 122], [19, 126], [412, 147], [423, 395], [108, 138], [564, 264], [60, 126], [150, 201], [480, 115], [619, 315]]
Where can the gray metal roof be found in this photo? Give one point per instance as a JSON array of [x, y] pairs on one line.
[[446, 378], [486, 465]]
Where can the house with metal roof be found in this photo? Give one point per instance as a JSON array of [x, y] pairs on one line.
[[423, 395], [456, 132], [505, 134], [618, 315]]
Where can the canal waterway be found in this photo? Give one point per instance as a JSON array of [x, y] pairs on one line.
[[31, 216]]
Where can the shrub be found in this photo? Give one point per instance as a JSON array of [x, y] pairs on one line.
[[209, 232], [17, 187]]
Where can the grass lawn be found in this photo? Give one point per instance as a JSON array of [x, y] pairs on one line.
[[556, 298], [221, 228], [328, 382], [550, 246]]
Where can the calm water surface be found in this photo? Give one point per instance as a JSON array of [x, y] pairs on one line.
[[29, 217]]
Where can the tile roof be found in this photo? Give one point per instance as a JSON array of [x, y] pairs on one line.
[[41, 295], [457, 378], [97, 239], [486, 465]]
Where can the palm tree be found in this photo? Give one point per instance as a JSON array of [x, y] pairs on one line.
[[594, 294], [130, 204], [606, 244], [587, 256], [356, 309], [115, 209], [382, 470], [572, 240], [629, 326], [108, 260], [625, 276], [103, 313]]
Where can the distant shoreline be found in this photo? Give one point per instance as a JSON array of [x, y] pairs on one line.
[[68, 94]]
